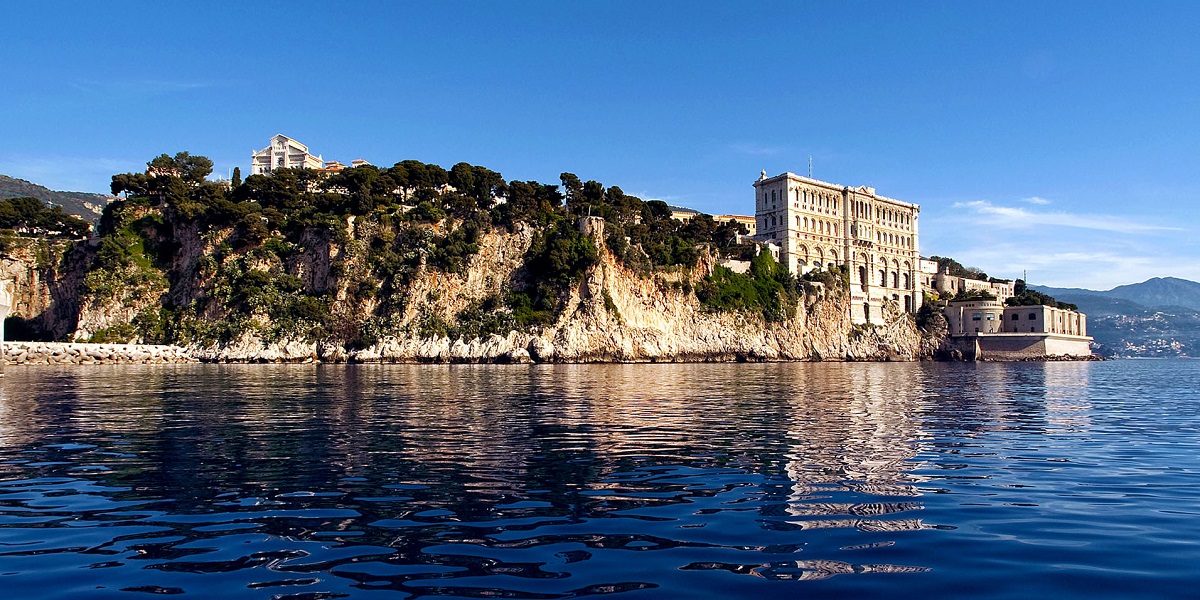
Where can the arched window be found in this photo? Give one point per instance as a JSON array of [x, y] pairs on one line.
[[883, 278], [907, 282], [862, 278], [895, 279]]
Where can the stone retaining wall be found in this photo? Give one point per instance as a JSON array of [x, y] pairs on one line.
[[58, 353]]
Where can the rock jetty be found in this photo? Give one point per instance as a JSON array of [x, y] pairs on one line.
[[59, 353]]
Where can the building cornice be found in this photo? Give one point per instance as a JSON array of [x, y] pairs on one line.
[[833, 187]]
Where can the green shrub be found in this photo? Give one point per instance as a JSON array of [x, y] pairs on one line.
[[768, 289]]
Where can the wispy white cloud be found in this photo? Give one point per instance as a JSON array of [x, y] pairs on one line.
[[1018, 218], [1035, 200], [1070, 263], [1059, 247]]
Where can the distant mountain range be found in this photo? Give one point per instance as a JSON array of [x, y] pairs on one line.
[[1159, 317], [88, 206]]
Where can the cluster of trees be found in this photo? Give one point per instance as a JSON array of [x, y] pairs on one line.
[[416, 215], [38, 217], [965, 294], [957, 269], [1023, 296]]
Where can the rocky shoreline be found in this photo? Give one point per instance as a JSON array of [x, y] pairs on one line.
[[60, 353]]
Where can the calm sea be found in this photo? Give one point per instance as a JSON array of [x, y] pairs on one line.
[[1059, 480]]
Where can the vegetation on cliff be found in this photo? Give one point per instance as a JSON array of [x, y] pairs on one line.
[[341, 258]]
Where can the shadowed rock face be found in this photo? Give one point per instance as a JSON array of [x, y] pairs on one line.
[[46, 277]]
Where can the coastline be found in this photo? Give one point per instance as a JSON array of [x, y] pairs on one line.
[[69, 353]]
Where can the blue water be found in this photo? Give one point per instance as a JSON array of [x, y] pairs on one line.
[[1059, 480]]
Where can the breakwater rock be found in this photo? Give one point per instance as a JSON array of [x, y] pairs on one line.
[[58, 353]]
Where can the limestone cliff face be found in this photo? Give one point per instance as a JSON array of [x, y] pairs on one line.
[[613, 314], [46, 275]]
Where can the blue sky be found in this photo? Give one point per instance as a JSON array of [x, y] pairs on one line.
[[1059, 138]]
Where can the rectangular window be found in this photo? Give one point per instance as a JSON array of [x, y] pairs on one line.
[[1032, 316], [991, 317], [976, 317], [1016, 316]]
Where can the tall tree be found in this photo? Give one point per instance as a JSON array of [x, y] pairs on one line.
[[192, 169]]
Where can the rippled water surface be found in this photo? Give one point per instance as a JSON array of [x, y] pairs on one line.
[[746, 480]]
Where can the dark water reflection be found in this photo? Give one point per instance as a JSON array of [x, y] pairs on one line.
[[994, 480]]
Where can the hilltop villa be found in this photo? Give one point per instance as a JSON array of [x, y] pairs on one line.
[[286, 153], [283, 153]]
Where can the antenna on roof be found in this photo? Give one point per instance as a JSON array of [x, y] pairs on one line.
[[810, 166]]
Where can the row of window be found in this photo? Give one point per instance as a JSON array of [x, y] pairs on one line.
[[992, 317], [814, 200], [892, 239], [823, 227], [895, 217]]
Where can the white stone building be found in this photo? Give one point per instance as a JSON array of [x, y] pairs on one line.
[[821, 225], [283, 153], [982, 329]]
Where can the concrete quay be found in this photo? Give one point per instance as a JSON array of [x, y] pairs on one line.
[[61, 353]]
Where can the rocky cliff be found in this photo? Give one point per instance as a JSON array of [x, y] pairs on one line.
[[385, 286], [47, 276], [613, 314]]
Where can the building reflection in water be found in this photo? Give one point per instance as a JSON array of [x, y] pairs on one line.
[[853, 431], [480, 433], [1068, 400]]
